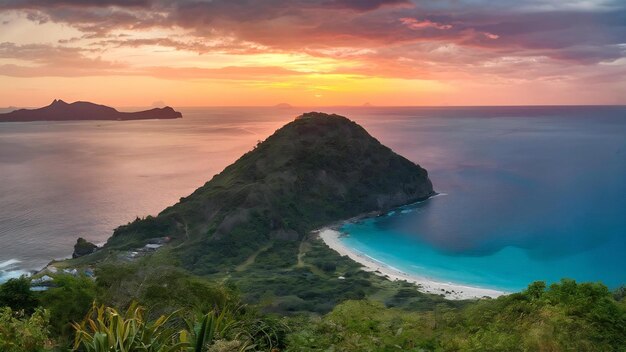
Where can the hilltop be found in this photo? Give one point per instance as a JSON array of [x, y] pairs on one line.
[[59, 110]]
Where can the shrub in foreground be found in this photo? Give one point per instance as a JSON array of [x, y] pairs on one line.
[[22, 333]]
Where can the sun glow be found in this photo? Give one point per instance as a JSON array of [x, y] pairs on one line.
[[225, 54]]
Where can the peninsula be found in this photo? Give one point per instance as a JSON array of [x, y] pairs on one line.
[[59, 110]]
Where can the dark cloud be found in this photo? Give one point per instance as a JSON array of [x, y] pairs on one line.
[[389, 37], [365, 5], [39, 53], [43, 4], [198, 46], [60, 61], [52, 60]]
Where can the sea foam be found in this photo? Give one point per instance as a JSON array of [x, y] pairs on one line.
[[9, 270]]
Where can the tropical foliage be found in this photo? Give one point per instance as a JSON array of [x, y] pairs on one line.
[[566, 317], [105, 329], [23, 333]]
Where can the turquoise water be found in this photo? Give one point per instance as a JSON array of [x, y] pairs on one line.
[[508, 268], [528, 195]]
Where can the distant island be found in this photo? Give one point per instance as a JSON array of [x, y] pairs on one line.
[[59, 110]]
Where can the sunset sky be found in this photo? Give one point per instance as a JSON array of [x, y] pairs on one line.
[[312, 52]]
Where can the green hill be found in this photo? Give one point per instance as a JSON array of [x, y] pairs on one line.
[[315, 170]]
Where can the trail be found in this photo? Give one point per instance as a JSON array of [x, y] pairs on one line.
[[301, 253], [243, 266]]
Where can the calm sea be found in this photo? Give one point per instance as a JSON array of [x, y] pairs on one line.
[[528, 193]]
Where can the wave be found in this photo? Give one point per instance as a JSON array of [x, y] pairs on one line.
[[9, 270], [9, 263]]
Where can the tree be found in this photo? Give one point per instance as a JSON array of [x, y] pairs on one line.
[[16, 294]]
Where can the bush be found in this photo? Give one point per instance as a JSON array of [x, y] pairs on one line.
[[161, 289], [567, 316], [16, 294], [68, 302], [21, 333]]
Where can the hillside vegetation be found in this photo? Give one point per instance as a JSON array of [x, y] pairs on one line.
[[180, 314]]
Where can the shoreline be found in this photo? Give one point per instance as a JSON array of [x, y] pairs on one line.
[[450, 290]]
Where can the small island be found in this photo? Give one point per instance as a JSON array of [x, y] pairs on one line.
[[283, 106], [59, 110]]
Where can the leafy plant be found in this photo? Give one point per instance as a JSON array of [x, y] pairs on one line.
[[243, 332], [105, 329], [21, 333], [204, 332]]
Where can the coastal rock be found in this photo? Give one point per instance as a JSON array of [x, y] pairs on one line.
[[83, 247]]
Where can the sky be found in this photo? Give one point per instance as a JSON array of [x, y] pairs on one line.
[[312, 52]]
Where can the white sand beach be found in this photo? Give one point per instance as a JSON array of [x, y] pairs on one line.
[[450, 290]]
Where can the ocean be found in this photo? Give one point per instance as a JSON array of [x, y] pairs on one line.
[[526, 193]]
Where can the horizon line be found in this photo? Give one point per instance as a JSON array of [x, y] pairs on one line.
[[276, 106]]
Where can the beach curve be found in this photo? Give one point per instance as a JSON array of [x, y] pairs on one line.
[[449, 290]]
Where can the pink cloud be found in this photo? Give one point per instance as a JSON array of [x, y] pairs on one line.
[[491, 35], [413, 23]]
